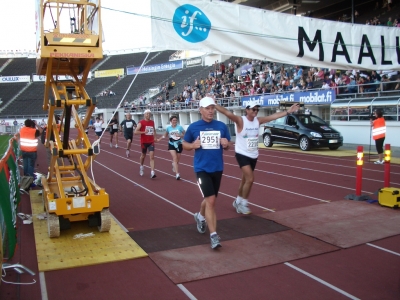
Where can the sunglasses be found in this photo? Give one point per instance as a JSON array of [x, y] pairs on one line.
[[256, 109]]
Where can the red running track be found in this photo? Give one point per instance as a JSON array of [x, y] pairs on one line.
[[283, 180]]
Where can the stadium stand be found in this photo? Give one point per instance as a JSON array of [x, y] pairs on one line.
[[10, 90], [20, 66]]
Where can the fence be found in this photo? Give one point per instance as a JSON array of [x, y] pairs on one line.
[[9, 197]]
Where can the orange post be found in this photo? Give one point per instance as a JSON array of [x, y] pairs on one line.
[[387, 165], [360, 162]]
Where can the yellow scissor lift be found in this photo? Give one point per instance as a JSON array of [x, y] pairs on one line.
[[70, 42]]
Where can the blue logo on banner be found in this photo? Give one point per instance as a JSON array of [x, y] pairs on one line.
[[191, 23], [310, 97]]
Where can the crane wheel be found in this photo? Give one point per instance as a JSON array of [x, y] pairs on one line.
[[105, 220], [53, 225]]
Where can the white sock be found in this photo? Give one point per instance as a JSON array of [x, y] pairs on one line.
[[212, 233], [200, 217], [238, 199], [244, 202]]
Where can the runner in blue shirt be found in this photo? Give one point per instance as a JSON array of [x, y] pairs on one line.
[[208, 137]]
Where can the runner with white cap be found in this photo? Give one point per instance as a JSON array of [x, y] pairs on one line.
[[208, 137], [246, 146]]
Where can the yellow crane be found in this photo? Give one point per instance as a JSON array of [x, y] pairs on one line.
[[68, 43]]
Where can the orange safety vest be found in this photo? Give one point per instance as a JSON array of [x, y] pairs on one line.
[[28, 141], [379, 129]]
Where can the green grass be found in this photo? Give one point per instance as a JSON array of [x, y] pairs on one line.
[[4, 144]]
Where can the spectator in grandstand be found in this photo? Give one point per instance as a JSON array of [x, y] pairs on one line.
[[295, 87], [15, 123], [298, 74], [338, 80], [346, 79], [389, 5], [352, 86], [325, 85], [320, 75], [389, 22], [43, 123], [222, 68], [397, 86], [28, 140]]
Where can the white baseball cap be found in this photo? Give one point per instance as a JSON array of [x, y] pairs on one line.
[[147, 111], [206, 101], [252, 104]]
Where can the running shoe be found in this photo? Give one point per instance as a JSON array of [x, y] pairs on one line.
[[379, 162], [173, 168], [110, 145], [178, 176], [141, 172], [240, 208], [127, 153], [201, 225], [116, 146], [215, 241], [152, 174]]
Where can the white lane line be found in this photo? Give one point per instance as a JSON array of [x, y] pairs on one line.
[[318, 171], [322, 281], [384, 249], [150, 191], [286, 191], [43, 288], [186, 292], [195, 183], [329, 164]]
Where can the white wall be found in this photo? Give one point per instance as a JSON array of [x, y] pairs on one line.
[[359, 132]]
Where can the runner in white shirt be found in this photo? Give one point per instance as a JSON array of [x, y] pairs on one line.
[[246, 147], [98, 127]]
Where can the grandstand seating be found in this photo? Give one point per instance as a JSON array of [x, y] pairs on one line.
[[9, 90], [29, 102], [98, 85], [160, 57], [2, 62], [19, 67], [124, 60]]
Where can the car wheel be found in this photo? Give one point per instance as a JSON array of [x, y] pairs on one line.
[[267, 140], [304, 143], [333, 147]]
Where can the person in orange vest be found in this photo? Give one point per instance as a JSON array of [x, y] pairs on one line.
[[28, 141], [378, 133]]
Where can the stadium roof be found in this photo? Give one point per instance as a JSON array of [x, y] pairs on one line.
[[321, 9]]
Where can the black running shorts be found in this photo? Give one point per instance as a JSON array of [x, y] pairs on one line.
[[209, 183], [172, 147], [146, 146], [244, 160]]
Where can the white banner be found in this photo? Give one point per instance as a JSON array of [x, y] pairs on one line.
[[8, 79], [36, 78], [231, 29]]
